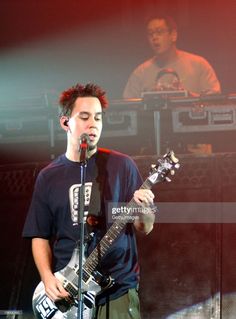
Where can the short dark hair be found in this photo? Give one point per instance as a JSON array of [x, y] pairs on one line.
[[69, 96], [170, 22]]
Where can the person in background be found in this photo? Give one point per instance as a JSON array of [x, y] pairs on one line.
[[187, 71], [111, 177]]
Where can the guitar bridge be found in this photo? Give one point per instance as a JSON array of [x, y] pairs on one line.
[[65, 304]]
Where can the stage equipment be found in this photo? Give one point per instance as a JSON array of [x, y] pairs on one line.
[[153, 124]]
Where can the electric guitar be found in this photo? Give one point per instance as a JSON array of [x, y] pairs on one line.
[[93, 282]]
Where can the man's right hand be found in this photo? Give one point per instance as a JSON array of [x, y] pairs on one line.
[[43, 259], [54, 288]]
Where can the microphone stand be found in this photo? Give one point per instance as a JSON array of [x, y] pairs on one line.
[[83, 166]]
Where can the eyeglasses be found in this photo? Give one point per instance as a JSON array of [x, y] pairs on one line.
[[157, 32]]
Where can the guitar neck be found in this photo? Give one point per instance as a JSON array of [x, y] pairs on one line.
[[111, 235]]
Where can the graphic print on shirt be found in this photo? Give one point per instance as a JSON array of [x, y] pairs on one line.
[[74, 194]]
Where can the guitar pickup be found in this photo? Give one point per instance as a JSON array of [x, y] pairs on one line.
[[72, 289]]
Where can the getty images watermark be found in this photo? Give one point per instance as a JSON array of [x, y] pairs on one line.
[[176, 212], [129, 213]]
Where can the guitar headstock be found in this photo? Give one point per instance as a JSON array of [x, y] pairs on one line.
[[165, 166]]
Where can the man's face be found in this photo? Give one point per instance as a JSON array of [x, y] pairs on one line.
[[86, 117], [160, 37]]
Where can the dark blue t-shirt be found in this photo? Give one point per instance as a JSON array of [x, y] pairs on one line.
[[111, 177]]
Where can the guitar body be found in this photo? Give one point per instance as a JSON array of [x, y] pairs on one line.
[[45, 308]]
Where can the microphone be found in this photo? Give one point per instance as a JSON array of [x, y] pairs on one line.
[[84, 143]]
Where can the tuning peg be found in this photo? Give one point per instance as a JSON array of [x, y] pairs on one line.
[[172, 172], [152, 169], [177, 165], [174, 158], [167, 179]]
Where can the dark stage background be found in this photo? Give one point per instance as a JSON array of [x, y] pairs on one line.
[[47, 46]]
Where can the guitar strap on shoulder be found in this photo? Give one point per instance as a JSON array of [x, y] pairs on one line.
[[96, 218]]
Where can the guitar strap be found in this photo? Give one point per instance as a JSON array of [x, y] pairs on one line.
[[96, 217]]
